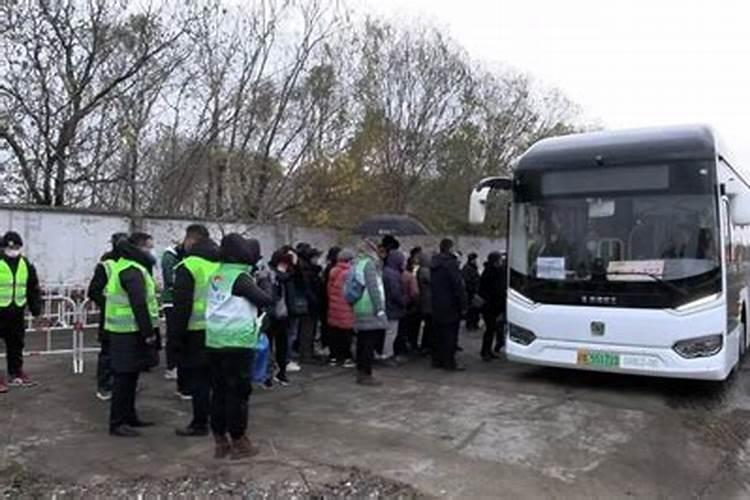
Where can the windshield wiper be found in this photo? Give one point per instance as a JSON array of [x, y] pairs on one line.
[[655, 277]]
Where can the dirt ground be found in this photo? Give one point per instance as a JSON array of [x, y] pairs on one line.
[[498, 430]]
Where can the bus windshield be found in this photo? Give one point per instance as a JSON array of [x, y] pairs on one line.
[[642, 237]]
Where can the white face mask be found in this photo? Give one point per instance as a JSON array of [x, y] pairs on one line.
[[12, 253]]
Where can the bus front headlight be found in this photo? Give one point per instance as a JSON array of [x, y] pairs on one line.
[[520, 335], [699, 347]]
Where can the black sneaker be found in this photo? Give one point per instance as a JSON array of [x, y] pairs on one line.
[[267, 384], [124, 431], [282, 380]]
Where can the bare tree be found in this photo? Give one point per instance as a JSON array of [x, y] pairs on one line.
[[256, 87], [260, 110], [414, 87], [63, 61]]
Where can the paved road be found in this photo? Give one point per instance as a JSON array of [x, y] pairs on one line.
[[498, 430]]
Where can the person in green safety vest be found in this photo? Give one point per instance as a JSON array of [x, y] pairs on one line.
[[95, 293], [189, 323], [370, 320], [19, 289], [131, 319], [234, 304]]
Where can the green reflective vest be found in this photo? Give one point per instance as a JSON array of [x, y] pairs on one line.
[[231, 321], [200, 269], [118, 315], [364, 306], [13, 287], [107, 265]]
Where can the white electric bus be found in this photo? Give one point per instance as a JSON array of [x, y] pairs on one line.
[[628, 252]]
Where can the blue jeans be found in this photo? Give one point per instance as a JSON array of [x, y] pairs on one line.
[[292, 335]]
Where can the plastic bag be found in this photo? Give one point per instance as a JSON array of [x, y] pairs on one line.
[[261, 359]]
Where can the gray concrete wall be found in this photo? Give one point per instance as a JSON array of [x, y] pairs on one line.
[[66, 244]]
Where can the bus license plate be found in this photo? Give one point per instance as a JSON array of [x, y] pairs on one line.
[[598, 359]]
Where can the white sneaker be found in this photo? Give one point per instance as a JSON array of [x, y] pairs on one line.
[[349, 363], [103, 395], [293, 366], [170, 374]]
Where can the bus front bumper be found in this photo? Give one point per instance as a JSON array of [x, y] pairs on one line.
[[656, 362]]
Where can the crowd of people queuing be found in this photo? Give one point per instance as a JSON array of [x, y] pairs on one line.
[[359, 308]]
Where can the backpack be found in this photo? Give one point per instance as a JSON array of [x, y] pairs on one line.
[[353, 288]]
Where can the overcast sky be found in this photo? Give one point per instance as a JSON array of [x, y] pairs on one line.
[[627, 63]]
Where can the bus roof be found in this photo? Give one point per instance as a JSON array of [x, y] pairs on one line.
[[618, 147]]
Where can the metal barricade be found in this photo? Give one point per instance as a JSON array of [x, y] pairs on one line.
[[89, 316], [65, 308], [59, 314]]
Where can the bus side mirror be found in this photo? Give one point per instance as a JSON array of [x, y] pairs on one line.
[[479, 195], [478, 205], [740, 209]]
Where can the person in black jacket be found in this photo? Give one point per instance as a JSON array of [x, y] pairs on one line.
[[171, 257], [190, 330], [170, 261], [503, 317], [297, 304], [310, 273], [470, 274], [280, 323], [231, 363], [20, 284], [492, 290], [96, 295], [449, 305], [129, 349]]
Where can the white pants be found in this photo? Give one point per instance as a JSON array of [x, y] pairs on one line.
[[390, 338]]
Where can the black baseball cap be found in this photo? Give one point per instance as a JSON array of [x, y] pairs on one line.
[[12, 239]]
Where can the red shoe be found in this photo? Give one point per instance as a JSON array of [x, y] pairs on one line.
[[3, 386], [21, 380]]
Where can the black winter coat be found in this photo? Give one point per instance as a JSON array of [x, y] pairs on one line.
[[296, 290], [312, 281], [129, 352], [492, 288], [471, 277], [449, 301], [393, 283]]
